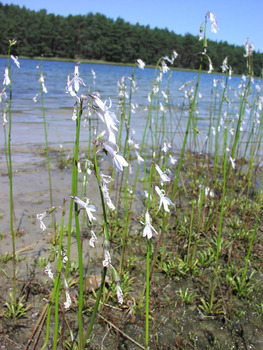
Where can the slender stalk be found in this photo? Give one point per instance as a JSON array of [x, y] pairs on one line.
[[11, 207], [187, 131], [147, 294], [218, 247], [106, 233], [248, 253], [74, 183], [59, 267], [41, 79]]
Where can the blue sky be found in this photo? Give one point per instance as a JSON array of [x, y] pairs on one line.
[[237, 19]]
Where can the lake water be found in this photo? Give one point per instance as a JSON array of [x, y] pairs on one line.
[[27, 125]]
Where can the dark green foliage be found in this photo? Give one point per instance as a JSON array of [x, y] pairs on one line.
[[94, 36]]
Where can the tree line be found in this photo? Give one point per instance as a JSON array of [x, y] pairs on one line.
[[96, 37]]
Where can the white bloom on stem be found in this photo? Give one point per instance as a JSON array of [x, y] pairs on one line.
[[249, 48], [232, 162], [40, 217], [107, 117], [214, 25], [48, 271], [35, 98], [139, 158], [67, 303], [164, 177], [75, 113], [174, 56], [173, 160], [15, 59], [148, 229], [165, 148], [93, 239], [42, 81], [106, 196], [164, 67], [165, 201], [224, 65], [4, 118], [119, 293], [89, 208], [107, 258], [140, 63], [6, 77], [146, 194], [117, 160], [76, 81]]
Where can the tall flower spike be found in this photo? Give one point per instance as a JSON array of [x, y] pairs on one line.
[[89, 208], [165, 201], [147, 231]]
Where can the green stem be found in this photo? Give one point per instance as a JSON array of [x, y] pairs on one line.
[[59, 267], [106, 239], [46, 143], [11, 178], [74, 184]]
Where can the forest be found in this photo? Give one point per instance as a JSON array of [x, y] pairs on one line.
[[96, 37]]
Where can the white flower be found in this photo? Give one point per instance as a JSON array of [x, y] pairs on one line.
[[232, 162], [40, 217], [119, 293], [15, 59], [35, 98], [139, 158], [73, 84], [165, 148], [75, 113], [164, 67], [107, 117], [249, 48], [107, 261], [117, 160], [4, 118], [174, 56], [173, 160], [211, 68], [48, 271], [106, 196], [165, 201], [140, 63], [224, 65], [6, 77], [147, 231], [164, 177], [67, 303], [89, 208], [146, 194], [42, 81], [214, 25], [93, 239], [209, 192]]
